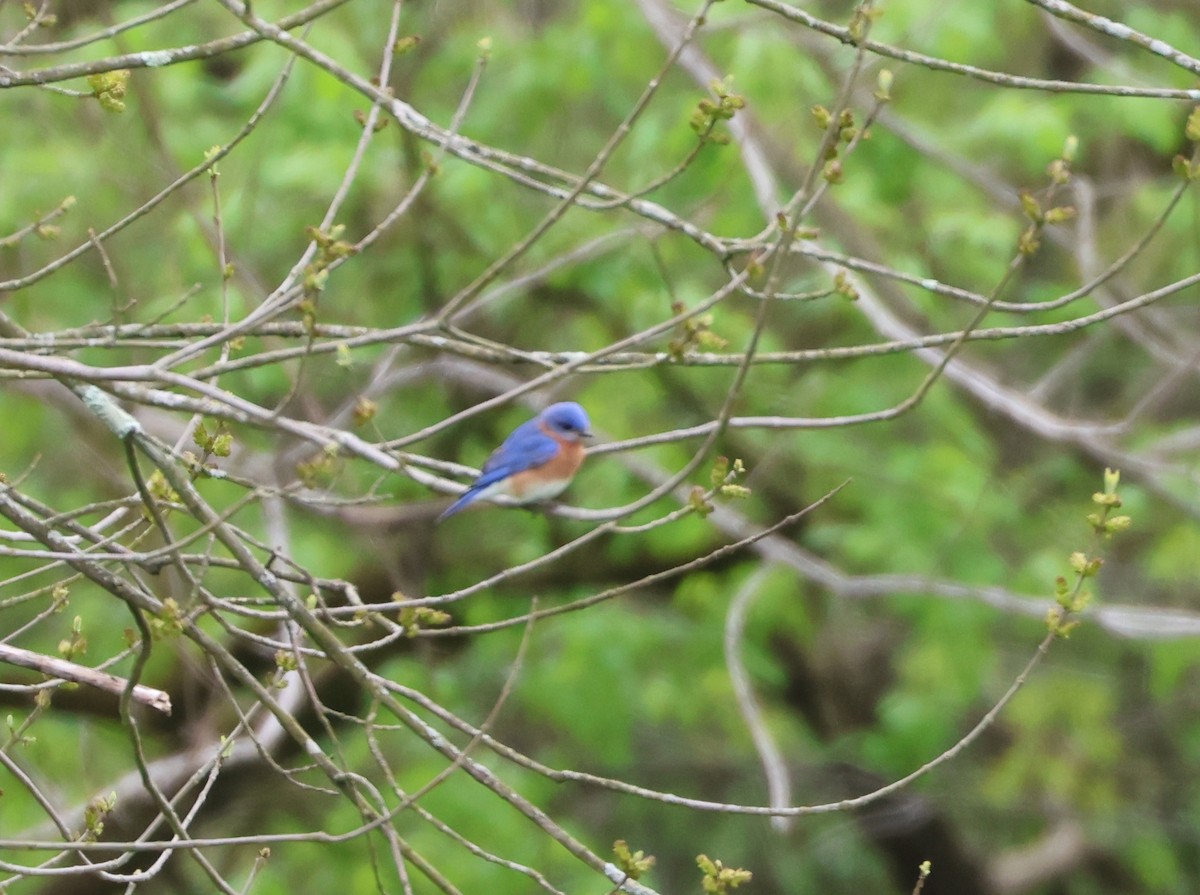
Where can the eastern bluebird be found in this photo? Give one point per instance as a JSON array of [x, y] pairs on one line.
[[536, 462]]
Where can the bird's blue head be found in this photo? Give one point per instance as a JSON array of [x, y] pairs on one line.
[[567, 420]]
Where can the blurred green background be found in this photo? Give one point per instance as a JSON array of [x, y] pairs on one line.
[[1086, 783]]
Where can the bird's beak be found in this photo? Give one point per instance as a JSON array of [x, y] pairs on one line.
[[586, 436]]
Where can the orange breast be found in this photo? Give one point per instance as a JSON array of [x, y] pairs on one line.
[[550, 479]]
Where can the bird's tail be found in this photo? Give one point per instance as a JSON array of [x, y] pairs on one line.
[[467, 497]]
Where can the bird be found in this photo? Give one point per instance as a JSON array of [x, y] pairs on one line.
[[536, 462]]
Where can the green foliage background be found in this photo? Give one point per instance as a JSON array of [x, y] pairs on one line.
[[858, 690]]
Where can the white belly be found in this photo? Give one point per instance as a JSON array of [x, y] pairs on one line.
[[532, 492]]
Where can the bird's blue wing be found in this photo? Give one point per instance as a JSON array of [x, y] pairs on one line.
[[526, 448]]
